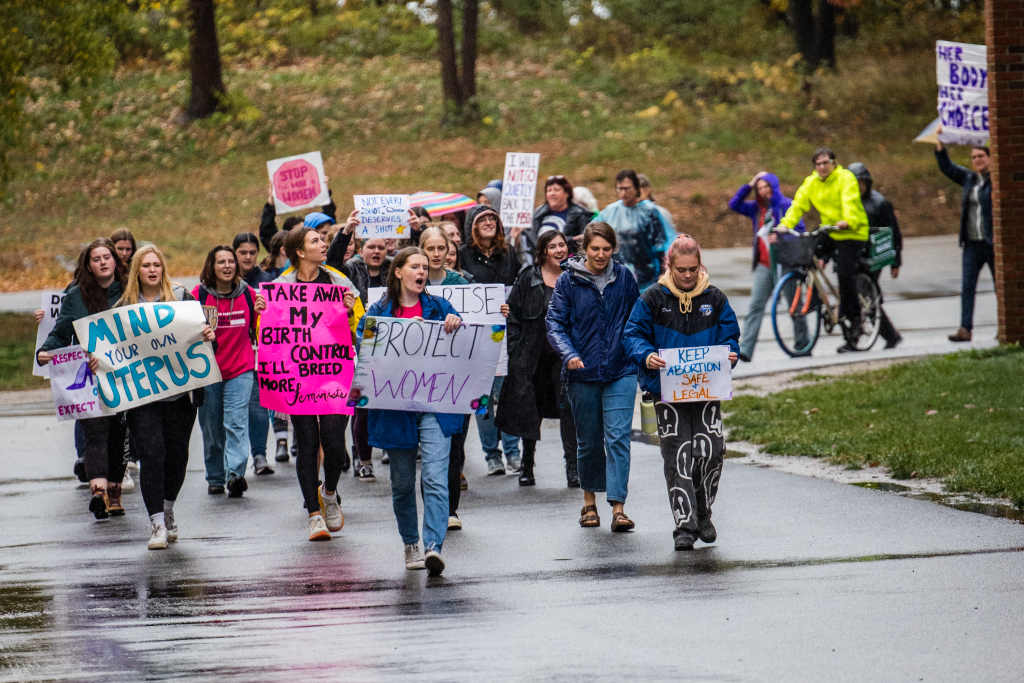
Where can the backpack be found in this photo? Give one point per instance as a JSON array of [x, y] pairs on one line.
[[204, 296]]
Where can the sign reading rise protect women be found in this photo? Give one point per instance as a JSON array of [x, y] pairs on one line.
[[305, 360], [414, 365], [698, 373], [298, 182], [148, 352], [961, 72]]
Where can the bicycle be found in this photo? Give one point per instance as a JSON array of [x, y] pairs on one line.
[[802, 301]]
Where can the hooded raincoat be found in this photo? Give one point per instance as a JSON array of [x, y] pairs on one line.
[[763, 217]]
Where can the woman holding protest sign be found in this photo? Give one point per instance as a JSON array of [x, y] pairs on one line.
[[684, 310], [162, 429], [401, 433], [231, 308], [307, 252], [589, 308], [100, 278], [533, 388]]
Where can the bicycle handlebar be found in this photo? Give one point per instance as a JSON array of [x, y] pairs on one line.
[[824, 229]]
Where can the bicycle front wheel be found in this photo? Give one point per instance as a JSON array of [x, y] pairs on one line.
[[869, 296], [796, 314]]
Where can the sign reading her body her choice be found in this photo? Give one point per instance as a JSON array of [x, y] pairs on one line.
[[305, 359], [518, 187], [298, 182], [50, 305], [698, 373], [414, 365], [961, 72], [148, 352], [382, 215], [74, 386]]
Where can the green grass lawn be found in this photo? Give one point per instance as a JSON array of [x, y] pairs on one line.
[[960, 417], [17, 343]]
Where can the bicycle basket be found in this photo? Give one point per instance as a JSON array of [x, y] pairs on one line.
[[795, 253]]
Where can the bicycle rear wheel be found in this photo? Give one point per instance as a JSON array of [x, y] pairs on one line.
[[870, 298], [796, 314]]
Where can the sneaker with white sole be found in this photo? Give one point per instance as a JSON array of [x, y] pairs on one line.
[[127, 484], [495, 466], [330, 508], [158, 538], [454, 522], [514, 465], [414, 557], [318, 529], [365, 473], [172, 527], [434, 563]]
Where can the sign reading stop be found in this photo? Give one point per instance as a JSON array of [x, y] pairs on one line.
[[298, 182]]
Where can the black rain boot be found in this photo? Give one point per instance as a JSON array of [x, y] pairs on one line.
[[526, 472], [572, 475]]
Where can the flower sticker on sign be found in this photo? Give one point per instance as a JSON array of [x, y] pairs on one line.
[[298, 182]]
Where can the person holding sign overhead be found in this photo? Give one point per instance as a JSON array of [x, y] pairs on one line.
[[682, 311]]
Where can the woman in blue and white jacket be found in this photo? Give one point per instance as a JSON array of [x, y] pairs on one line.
[[684, 310], [401, 433]]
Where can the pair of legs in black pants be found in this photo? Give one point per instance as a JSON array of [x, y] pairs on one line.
[[162, 431], [456, 460], [547, 382], [104, 448], [848, 254], [976, 255], [310, 432], [361, 449], [886, 329]]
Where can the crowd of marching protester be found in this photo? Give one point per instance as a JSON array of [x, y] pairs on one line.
[[595, 294]]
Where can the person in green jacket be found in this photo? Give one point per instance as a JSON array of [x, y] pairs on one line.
[[835, 193]]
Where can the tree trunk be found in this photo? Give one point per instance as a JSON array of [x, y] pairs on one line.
[[469, 23], [801, 20], [204, 60], [446, 53], [825, 35]]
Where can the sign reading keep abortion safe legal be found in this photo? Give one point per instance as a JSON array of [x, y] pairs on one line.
[[414, 365], [74, 386], [382, 215], [50, 305], [148, 352], [298, 182], [698, 373], [518, 187], [961, 72], [305, 359]]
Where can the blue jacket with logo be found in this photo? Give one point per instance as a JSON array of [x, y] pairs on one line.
[[657, 323]]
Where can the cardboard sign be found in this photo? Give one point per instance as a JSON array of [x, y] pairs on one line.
[[299, 182], [305, 359], [74, 386], [50, 303], [697, 373], [414, 365], [148, 352], [382, 215], [518, 187], [961, 72]]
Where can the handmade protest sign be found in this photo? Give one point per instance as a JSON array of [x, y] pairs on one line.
[[305, 359], [414, 365], [148, 352], [519, 185], [961, 72], [74, 386], [698, 373], [382, 215], [50, 305], [299, 182]]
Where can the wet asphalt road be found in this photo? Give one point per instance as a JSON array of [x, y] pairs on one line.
[[810, 581]]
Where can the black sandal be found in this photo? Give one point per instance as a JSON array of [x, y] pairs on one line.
[[589, 517], [620, 522]]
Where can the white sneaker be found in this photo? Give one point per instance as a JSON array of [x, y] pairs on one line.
[[158, 539], [318, 529], [414, 557], [172, 528], [132, 465], [330, 508], [454, 522], [434, 563], [127, 484]]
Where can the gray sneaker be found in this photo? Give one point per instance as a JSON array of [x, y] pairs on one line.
[[330, 508], [260, 465], [495, 466], [514, 465], [414, 557]]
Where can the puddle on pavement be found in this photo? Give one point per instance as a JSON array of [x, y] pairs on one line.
[[990, 509]]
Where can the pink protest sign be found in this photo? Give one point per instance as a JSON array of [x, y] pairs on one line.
[[305, 360], [298, 182]]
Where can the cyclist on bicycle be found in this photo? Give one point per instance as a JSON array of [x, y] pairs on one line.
[[835, 193]]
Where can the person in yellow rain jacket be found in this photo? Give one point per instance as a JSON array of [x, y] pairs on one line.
[[834, 192]]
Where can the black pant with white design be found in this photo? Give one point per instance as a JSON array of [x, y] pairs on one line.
[[692, 445]]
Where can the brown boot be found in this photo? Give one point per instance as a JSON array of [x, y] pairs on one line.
[[98, 502], [114, 508], [962, 335]]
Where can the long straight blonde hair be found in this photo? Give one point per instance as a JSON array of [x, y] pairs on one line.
[[131, 291]]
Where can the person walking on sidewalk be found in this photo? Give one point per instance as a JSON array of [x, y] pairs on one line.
[[639, 228], [402, 433], [684, 310], [589, 308], [881, 215], [975, 227], [765, 212]]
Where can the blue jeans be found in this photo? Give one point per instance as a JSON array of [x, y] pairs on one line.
[[975, 256], [761, 290], [434, 474], [489, 433], [603, 412], [224, 421], [259, 422]]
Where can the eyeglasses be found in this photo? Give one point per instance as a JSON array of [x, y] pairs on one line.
[[823, 163]]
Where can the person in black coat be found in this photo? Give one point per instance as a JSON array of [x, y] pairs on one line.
[[487, 256], [268, 220], [561, 213], [533, 388]]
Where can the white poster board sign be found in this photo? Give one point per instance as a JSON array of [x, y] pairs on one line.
[[382, 215], [698, 373], [74, 386], [148, 352], [414, 365], [518, 187], [298, 182], [50, 304], [961, 72]]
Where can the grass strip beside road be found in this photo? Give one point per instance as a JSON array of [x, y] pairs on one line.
[[17, 344], [958, 417]]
